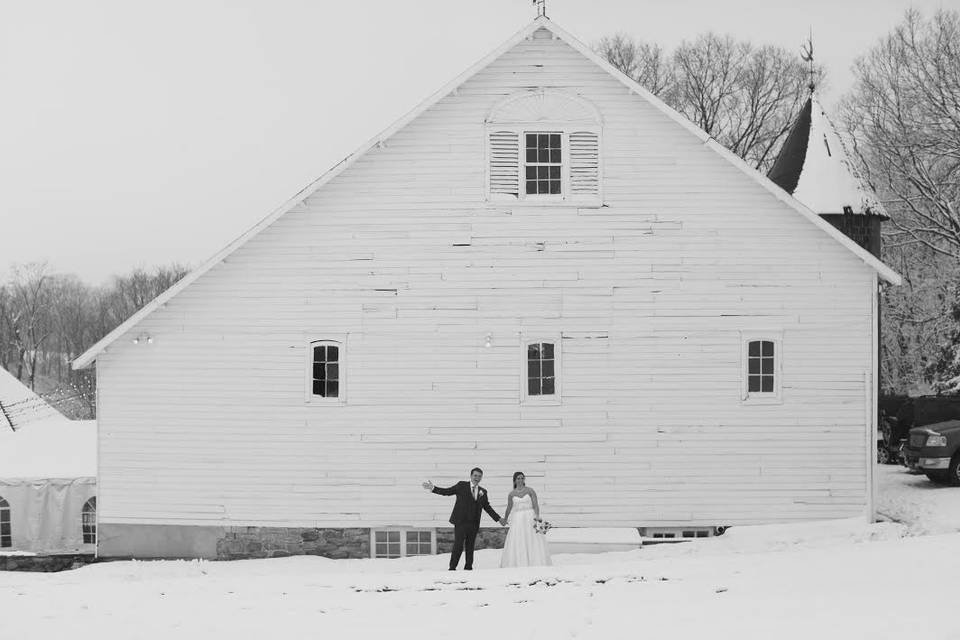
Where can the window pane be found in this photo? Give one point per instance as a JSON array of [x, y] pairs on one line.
[[380, 537], [767, 384], [532, 172], [393, 536], [533, 368], [531, 155], [543, 173], [547, 386], [531, 186], [318, 387], [333, 389], [554, 186], [531, 140], [767, 348], [554, 173], [543, 155], [533, 386], [548, 350], [318, 371], [5, 528], [547, 368], [333, 354], [533, 351], [319, 354], [333, 371], [555, 140], [753, 384], [543, 187], [754, 349], [753, 365], [555, 155], [543, 141], [767, 366]]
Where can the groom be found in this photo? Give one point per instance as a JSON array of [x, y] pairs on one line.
[[471, 497]]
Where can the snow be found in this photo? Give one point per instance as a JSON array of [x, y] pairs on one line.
[[44, 444], [843, 578], [829, 181], [922, 506]]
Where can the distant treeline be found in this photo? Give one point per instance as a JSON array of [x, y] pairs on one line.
[[47, 319]]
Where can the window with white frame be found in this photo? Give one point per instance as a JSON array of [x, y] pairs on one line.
[[89, 521], [544, 146], [544, 163], [325, 371], [399, 543], [762, 368], [6, 536], [540, 369]]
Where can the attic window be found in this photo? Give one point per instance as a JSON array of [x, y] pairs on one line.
[[529, 163], [543, 163]]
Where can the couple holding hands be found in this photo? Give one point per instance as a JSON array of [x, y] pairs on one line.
[[525, 546]]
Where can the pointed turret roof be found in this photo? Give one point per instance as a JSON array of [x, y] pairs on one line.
[[814, 167]]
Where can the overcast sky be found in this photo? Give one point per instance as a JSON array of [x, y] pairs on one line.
[[141, 133]]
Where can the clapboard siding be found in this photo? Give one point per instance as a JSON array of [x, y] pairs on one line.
[[402, 254]]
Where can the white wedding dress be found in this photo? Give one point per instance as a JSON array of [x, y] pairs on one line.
[[524, 547]]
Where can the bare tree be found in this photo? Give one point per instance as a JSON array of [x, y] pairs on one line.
[[644, 62], [903, 117], [744, 96], [47, 320], [904, 114]]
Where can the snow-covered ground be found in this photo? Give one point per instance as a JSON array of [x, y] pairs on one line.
[[841, 579]]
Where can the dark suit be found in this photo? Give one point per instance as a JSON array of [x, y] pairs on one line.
[[465, 519]]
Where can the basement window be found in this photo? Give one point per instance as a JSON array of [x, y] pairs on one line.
[[6, 537], [402, 543], [89, 521]]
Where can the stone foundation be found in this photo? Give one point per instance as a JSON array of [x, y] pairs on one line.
[[279, 542], [487, 538], [45, 563]]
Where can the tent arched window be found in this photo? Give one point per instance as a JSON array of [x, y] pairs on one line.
[[6, 538], [89, 521]]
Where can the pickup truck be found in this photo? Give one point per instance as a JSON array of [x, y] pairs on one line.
[[934, 449]]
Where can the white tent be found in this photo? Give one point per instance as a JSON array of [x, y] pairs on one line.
[[48, 469]]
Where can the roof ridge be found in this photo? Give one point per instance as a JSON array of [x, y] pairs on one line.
[[86, 358]]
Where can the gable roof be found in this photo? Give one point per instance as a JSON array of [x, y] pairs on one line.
[[813, 166], [541, 22]]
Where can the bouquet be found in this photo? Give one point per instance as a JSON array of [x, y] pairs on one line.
[[541, 526]]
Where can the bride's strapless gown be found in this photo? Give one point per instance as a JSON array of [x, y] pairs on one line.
[[524, 547]]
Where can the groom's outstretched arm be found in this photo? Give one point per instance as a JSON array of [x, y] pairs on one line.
[[445, 491]]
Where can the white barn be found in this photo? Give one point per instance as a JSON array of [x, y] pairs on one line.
[[48, 485], [543, 268]]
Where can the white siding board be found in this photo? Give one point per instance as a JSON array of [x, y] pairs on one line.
[[209, 424]]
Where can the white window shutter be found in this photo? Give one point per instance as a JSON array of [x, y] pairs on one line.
[[584, 163], [504, 163]]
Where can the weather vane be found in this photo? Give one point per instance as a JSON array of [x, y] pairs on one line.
[[807, 56], [541, 7]]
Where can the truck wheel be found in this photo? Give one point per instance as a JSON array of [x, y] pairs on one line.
[[883, 455], [953, 471]]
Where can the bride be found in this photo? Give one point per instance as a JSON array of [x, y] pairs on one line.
[[524, 547]]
